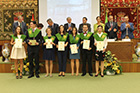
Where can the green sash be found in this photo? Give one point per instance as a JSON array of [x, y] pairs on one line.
[[60, 38], [52, 37], [85, 37], [100, 38], [72, 40], [33, 34], [22, 37]]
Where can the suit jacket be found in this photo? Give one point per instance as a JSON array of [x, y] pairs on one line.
[[66, 27], [55, 28], [111, 34], [24, 27], [38, 39], [81, 27], [91, 44], [130, 30]]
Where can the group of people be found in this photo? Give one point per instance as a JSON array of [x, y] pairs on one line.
[[69, 34]]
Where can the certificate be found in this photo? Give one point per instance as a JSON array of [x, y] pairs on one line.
[[49, 45], [18, 43], [74, 49], [86, 44], [33, 42], [100, 45], [61, 46]]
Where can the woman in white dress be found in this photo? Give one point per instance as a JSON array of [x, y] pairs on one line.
[[18, 50]]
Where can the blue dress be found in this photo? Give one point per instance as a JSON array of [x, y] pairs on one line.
[[75, 56], [48, 54]]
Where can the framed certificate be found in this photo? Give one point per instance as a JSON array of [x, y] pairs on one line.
[[86, 44], [61, 46], [100, 45], [74, 49], [49, 45], [33, 42], [18, 43]]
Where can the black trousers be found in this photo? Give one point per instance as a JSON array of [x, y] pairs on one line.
[[62, 59], [33, 53], [87, 57]]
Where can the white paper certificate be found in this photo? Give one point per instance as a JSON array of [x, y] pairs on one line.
[[74, 49], [61, 46], [86, 44], [33, 42], [18, 43], [100, 45], [49, 45]]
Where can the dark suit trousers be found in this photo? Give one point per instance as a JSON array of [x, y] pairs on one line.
[[33, 53], [87, 57], [62, 59]]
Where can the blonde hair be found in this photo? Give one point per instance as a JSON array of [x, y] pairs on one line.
[[48, 29]]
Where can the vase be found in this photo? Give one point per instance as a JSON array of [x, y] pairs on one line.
[[110, 73], [6, 52]]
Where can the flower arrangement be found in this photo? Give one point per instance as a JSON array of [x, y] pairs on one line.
[[111, 64], [25, 67]]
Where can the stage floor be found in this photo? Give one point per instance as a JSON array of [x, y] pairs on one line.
[[125, 83]]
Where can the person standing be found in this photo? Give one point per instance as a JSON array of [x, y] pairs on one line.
[[21, 24], [33, 39], [49, 53], [84, 22], [74, 38], [100, 54], [127, 29], [111, 28], [68, 26], [87, 53], [62, 55], [18, 53], [54, 27], [98, 18]]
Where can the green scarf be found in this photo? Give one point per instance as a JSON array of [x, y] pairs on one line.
[[60, 38], [33, 34], [22, 37], [85, 37], [72, 40], [52, 37], [100, 38]]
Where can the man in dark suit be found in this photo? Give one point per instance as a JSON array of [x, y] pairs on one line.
[[127, 29], [81, 25], [21, 24], [54, 27], [87, 54], [33, 50], [111, 28], [68, 26]]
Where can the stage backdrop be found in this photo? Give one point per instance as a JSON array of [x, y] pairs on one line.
[[120, 8], [11, 9]]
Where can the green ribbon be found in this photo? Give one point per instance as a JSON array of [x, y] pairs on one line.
[[33, 34], [22, 37], [52, 37], [60, 38], [72, 40], [85, 37], [100, 38]]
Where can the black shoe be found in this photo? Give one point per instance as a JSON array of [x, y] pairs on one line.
[[63, 75], [16, 77], [37, 76], [91, 74], [96, 75], [83, 74], [30, 76], [102, 75]]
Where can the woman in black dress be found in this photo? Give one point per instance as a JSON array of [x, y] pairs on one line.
[[49, 53]]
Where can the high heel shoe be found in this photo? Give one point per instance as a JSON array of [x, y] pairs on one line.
[[16, 75], [96, 75], [21, 75], [102, 75]]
